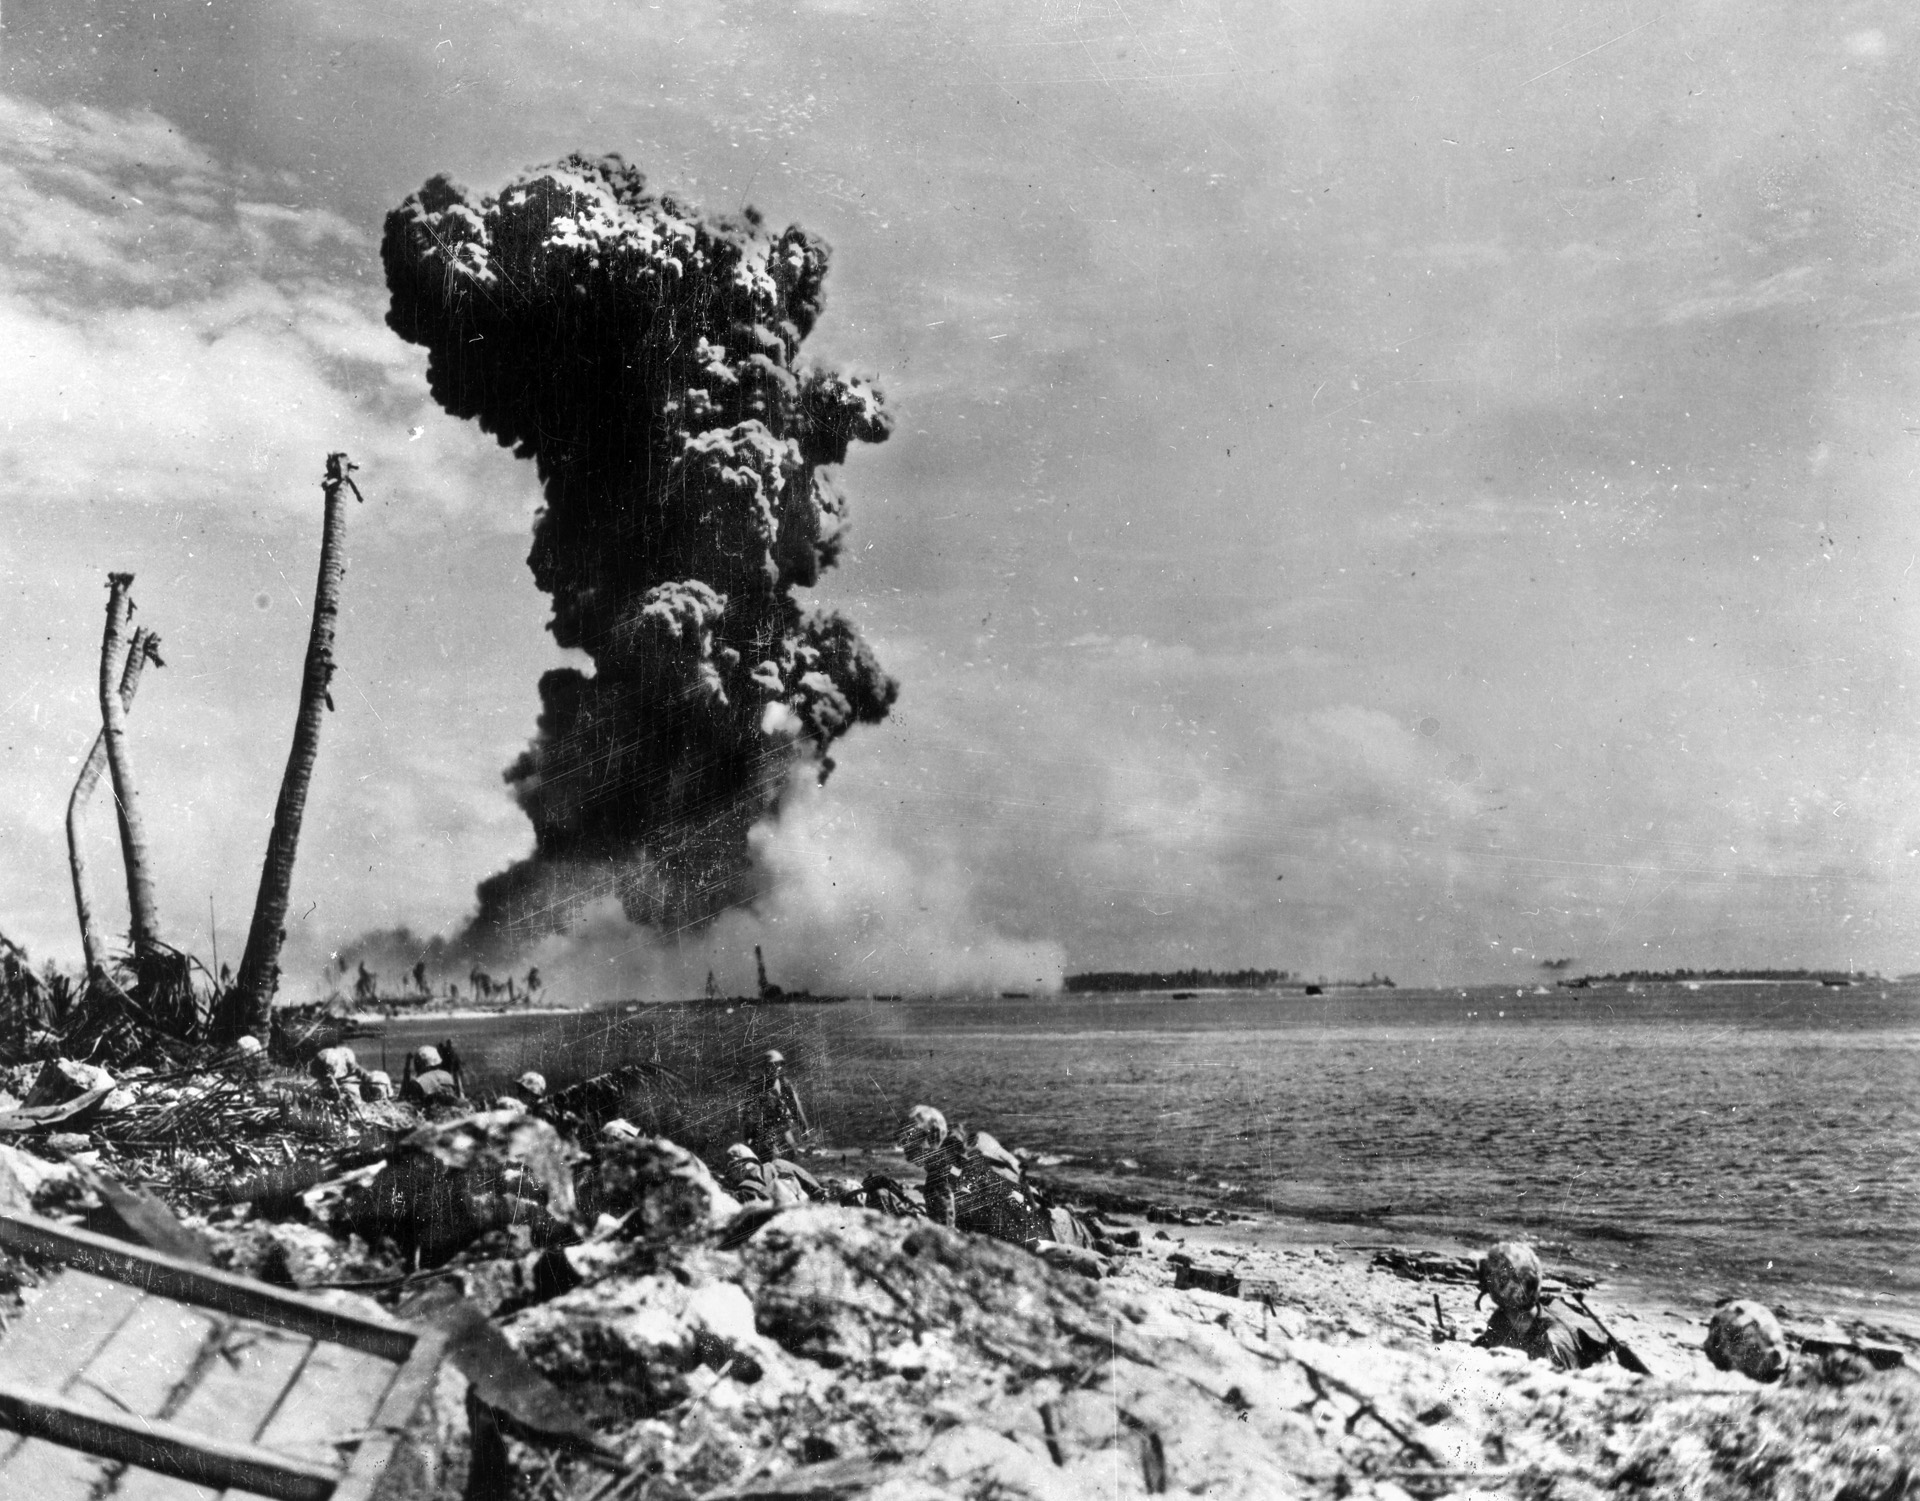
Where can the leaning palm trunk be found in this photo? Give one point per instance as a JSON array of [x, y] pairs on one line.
[[251, 1007], [144, 648], [113, 730]]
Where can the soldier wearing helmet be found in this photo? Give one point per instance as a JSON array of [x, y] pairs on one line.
[[425, 1080], [773, 1120], [924, 1141], [1745, 1337], [742, 1176], [1510, 1275], [973, 1183], [776, 1181], [249, 1057]]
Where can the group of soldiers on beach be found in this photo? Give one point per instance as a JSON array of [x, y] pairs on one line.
[[1743, 1335], [972, 1183]]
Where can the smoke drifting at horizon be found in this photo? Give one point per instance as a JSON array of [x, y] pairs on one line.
[[846, 911], [644, 356]]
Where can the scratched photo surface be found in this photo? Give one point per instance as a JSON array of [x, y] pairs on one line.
[[1232, 555]]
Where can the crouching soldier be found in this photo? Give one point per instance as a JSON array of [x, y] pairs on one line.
[[425, 1080], [778, 1182], [1745, 1337], [1510, 1275], [878, 1192], [973, 1183], [773, 1120], [248, 1058], [337, 1071], [925, 1142]]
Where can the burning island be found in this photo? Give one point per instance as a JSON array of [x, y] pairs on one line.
[[645, 1255]]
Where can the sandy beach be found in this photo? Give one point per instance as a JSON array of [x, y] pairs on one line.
[[827, 1353], [1354, 1380]]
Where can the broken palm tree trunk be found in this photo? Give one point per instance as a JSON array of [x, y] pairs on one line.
[[144, 648], [113, 730], [252, 1001]]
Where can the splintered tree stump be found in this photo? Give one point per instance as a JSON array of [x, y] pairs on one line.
[[252, 1004], [144, 648], [133, 837]]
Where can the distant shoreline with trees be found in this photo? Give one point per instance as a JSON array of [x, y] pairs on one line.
[[1111, 981], [1193, 981], [1723, 977]]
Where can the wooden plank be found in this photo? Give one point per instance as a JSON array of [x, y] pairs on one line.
[[142, 1367], [156, 1444], [48, 1471], [239, 1297], [156, 1377], [329, 1409], [237, 1391], [336, 1396], [398, 1408], [63, 1327], [138, 1372], [70, 1322]]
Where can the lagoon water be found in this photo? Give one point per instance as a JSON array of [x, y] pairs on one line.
[[1760, 1139]]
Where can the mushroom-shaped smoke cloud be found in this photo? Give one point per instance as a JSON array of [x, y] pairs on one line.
[[644, 357]]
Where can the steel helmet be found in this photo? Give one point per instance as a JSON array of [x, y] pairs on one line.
[[924, 1118], [1510, 1275], [1745, 1337]]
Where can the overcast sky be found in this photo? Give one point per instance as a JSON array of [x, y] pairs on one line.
[[1419, 488]]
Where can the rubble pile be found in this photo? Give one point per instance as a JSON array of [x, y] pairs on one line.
[[622, 1326]]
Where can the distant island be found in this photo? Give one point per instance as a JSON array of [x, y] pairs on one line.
[[1722, 976], [1119, 980]]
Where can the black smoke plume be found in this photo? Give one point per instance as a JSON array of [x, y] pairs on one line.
[[645, 357]]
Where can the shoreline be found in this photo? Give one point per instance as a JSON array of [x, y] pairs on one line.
[[1268, 1243], [1691, 1254]]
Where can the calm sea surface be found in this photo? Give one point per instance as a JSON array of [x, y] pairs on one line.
[[1761, 1139]]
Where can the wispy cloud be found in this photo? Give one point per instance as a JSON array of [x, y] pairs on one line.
[[1799, 286], [176, 326]]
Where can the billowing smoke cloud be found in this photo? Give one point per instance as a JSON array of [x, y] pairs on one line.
[[645, 357], [847, 911]]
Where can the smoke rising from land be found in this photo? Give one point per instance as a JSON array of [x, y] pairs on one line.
[[848, 909], [645, 357]]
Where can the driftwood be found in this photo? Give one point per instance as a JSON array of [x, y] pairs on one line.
[[1437, 1266]]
